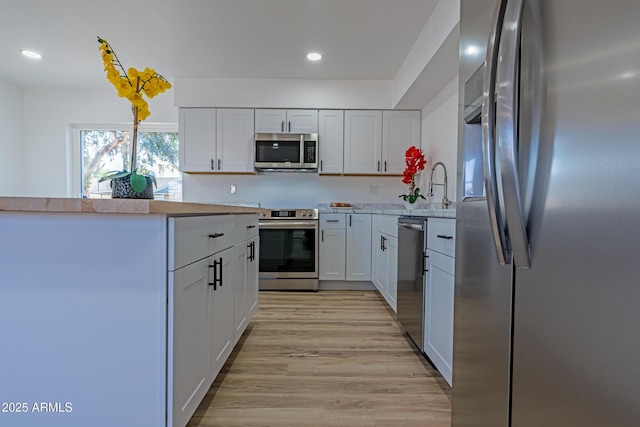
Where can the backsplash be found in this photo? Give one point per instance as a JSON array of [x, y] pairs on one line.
[[291, 190]]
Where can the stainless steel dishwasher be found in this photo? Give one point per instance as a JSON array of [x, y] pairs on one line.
[[412, 234]]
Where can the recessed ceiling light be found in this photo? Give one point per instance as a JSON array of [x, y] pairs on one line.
[[31, 54], [314, 56]]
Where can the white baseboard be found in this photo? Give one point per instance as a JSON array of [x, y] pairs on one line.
[[343, 285]]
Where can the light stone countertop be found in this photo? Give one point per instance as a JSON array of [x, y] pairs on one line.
[[117, 206], [429, 210]]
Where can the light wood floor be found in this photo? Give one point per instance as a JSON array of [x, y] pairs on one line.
[[331, 358]]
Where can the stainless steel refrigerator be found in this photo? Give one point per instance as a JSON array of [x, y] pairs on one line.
[[547, 299]]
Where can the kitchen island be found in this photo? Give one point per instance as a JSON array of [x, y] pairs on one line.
[[119, 312]]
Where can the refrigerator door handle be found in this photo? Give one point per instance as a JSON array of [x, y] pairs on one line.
[[507, 79], [488, 136]]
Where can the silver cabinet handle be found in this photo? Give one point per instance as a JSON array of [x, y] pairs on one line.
[[350, 220], [322, 235], [385, 165], [289, 130], [442, 236], [320, 165], [282, 126], [216, 235], [507, 129], [212, 167], [219, 164], [333, 220], [378, 165], [488, 136]]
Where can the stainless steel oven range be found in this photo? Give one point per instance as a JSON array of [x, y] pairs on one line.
[[289, 250]]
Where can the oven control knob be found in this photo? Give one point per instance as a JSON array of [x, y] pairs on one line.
[[304, 213]]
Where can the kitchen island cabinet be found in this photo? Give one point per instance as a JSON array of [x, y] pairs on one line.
[[109, 318]]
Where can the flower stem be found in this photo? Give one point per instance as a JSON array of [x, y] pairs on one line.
[[134, 140]]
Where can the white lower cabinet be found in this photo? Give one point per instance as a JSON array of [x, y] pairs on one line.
[[384, 257], [191, 338], [344, 252], [358, 255], [439, 295], [221, 309], [332, 247], [211, 302]]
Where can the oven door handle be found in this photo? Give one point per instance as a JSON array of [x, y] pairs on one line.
[[289, 224]]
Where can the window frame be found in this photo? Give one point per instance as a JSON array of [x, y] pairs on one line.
[[74, 177]]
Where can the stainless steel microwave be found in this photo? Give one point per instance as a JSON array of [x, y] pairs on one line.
[[288, 152]]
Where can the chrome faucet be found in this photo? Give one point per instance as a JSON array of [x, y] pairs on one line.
[[445, 201]]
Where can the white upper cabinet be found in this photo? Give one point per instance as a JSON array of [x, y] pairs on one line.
[[362, 141], [286, 121], [234, 136], [197, 131], [216, 140], [375, 141], [331, 141], [400, 130]]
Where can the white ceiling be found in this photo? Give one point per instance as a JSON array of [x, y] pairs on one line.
[[359, 39]]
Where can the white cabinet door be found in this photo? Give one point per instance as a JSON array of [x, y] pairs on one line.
[[221, 310], [302, 121], [197, 132], [391, 281], [332, 246], [239, 284], [234, 136], [270, 121], [362, 141], [252, 275], [331, 254], [358, 247], [376, 256], [438, 305], [331, 141], [286, 121], [400, 130], [191, 347]]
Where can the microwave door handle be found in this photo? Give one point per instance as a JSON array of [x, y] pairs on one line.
[[507, 127], [488, 136]]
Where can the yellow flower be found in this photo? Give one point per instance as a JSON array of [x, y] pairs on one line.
[[133, 83]]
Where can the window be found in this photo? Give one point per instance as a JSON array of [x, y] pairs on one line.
[[106, 149]]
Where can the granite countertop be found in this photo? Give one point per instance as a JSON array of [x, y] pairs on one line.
[[431, 210], [117, 206]]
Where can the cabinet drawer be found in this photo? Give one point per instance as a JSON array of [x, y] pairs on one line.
[[192, 238], [246, 226], [333, 220], [441, 235]]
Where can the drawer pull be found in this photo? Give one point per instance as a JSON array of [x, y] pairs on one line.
[[251, 226], [442, 236], [216, 235], [333, 220]]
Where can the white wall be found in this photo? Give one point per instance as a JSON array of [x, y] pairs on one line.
[[11, 137], [48, 140], [440, 139], [283, 93]]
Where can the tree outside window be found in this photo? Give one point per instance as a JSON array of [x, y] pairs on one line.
[[104, 151]]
